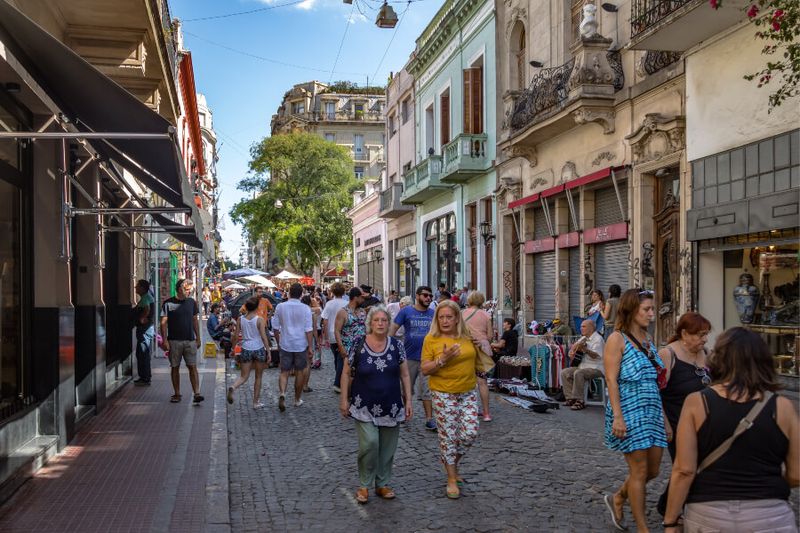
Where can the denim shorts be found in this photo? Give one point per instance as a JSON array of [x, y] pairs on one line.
[[248, 356]]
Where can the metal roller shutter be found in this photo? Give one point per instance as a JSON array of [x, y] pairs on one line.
[[611, 265], [377, 282], [575, 283], [544, 292], [606, 208], [540, 230]]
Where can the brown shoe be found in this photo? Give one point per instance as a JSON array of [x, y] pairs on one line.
[[362, 495], [385, 492]]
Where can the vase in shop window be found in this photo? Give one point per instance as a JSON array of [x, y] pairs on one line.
[[746, 295]]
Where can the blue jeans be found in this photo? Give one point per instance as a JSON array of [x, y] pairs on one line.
[[338, 365], [144, 337]]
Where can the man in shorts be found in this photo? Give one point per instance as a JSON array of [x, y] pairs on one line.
[[293, 323], [180, 329], [416, 322]]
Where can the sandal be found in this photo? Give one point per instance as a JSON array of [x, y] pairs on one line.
[[385, 492], [176, 398], [460, 481], [569, 402], [578, 405], [453, 494], [362, 495]]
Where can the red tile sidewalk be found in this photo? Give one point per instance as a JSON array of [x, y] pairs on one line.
[[144, 464]]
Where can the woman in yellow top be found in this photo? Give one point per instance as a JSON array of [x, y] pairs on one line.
[[448, 358]]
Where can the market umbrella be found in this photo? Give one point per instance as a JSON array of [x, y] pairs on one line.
[[285, 274], [242, 272], [260, 280], [236, 286], [228, 282]]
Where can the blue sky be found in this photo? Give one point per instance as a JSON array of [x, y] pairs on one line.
[[244, 91]]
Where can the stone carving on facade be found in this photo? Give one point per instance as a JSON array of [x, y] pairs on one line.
[[510, 190], [588, 26], [568, 172], [603, 156], [603, 116], [589, 70], [528, 152], [658, 136], [517, 13], [540, 180]]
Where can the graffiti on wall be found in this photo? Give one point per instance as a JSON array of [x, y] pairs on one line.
[[508, 285], [588, 273], [685, 278], [647, 259]]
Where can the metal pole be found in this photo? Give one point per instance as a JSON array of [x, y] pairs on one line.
[[65, 222], [129, 210], [619, 197]]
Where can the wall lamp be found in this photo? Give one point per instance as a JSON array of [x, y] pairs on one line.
[[536, 64], [486, 232], [610, 8], [411, 260], [378, 255]]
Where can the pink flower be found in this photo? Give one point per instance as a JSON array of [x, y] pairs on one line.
[[776, 26], [753, 11], [715, 3], [778, 14]]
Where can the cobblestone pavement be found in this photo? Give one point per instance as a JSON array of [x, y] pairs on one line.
[[297, 470]]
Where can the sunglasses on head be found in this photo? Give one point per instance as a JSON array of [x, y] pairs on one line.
[[646, 293]]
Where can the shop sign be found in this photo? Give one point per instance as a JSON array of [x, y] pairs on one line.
[[542, 245], [569, 240], [614, 232]]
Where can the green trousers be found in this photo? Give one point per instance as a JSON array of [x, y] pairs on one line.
[[376, 447]]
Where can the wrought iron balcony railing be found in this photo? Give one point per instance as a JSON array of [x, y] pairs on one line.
[[547, 92], [647, 13]]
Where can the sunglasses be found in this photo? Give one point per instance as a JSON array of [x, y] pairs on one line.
[[705, 379], [426, 295]]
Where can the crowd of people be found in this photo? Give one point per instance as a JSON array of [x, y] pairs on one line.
[[734, 442]]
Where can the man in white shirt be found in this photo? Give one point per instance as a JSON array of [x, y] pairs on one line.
[[328, 322], [295, 327], [574, 379]]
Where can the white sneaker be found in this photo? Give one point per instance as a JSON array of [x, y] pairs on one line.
[[336, 389], [258, 405], [298, 403]]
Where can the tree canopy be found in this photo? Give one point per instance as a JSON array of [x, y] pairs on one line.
[[302, 187]]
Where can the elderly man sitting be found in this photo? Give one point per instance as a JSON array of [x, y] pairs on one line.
[[590, 348]]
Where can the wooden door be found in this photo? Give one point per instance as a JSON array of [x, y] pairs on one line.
[[665, 257]]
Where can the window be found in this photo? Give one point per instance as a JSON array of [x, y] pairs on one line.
[[441, 251], [359, 172], [330, 137], [358, 144], [405, 109], [392, 126], [358, 111], [429, 125], [575, 19], [444, 116], [473, 99], [517, 63], [330, 110], [298, 108], [406, 167]]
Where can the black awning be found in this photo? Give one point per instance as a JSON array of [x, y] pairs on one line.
[[187, 236], [95, 103]]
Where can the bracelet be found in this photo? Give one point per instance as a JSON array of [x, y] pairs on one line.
[[439, 362], [676, 523]]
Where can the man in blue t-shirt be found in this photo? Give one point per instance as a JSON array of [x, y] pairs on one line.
[[416, 322]]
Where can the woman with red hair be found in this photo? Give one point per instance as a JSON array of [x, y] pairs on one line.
[[685, 360]]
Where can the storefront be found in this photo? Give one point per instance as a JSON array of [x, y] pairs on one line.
[[744, 222], [609, 237], [370, 264], [405, 264]]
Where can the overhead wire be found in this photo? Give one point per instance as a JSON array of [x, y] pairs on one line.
[[248, 12], [394, 33], [266, 59], [341, 44]]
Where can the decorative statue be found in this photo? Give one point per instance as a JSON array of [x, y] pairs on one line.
[[588, 26], [746, 296]]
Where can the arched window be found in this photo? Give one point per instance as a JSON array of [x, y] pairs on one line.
[[440, 238], [516, 62]]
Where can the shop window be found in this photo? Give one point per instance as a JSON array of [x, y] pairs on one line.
[[762, 293]]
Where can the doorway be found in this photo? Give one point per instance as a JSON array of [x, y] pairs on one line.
[[662, 256]]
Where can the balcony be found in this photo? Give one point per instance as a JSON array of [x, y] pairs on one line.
[[677, 25], [465, 157], [424, 181], [559, 98], [390, 205]]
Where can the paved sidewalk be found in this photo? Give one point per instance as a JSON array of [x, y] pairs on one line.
[[143, 465]]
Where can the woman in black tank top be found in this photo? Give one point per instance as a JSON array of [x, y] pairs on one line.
[[745, 489]]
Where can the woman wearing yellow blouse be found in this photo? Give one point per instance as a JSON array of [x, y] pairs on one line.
[[448, 358]]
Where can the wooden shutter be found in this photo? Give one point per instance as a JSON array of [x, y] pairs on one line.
[[473, 100], [444, 111]]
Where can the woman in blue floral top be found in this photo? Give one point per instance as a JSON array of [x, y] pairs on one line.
[[378, 397]]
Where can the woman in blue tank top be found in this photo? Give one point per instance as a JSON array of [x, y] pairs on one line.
[[634, 423]]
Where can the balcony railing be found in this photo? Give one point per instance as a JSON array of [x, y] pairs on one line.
[[390, 205], [465, 157], [647, 13], [423, 181], [546, 94]]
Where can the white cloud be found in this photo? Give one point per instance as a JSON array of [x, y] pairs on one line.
[[355, 18], [306, 5]]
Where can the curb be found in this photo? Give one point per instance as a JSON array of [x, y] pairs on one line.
[[218, 513]]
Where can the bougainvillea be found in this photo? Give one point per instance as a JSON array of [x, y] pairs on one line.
[[778, 23]]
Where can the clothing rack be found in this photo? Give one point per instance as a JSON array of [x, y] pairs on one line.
[[549, 356]]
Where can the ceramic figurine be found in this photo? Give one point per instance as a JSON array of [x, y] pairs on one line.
[[746, 296]]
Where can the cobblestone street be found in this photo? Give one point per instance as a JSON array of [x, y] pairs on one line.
[[297, 470]]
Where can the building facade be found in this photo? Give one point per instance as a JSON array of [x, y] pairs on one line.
[[451, 185], [101, 208], [402, 257], [369, 237]]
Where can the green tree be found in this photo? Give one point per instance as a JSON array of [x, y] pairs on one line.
[[302, 188]]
